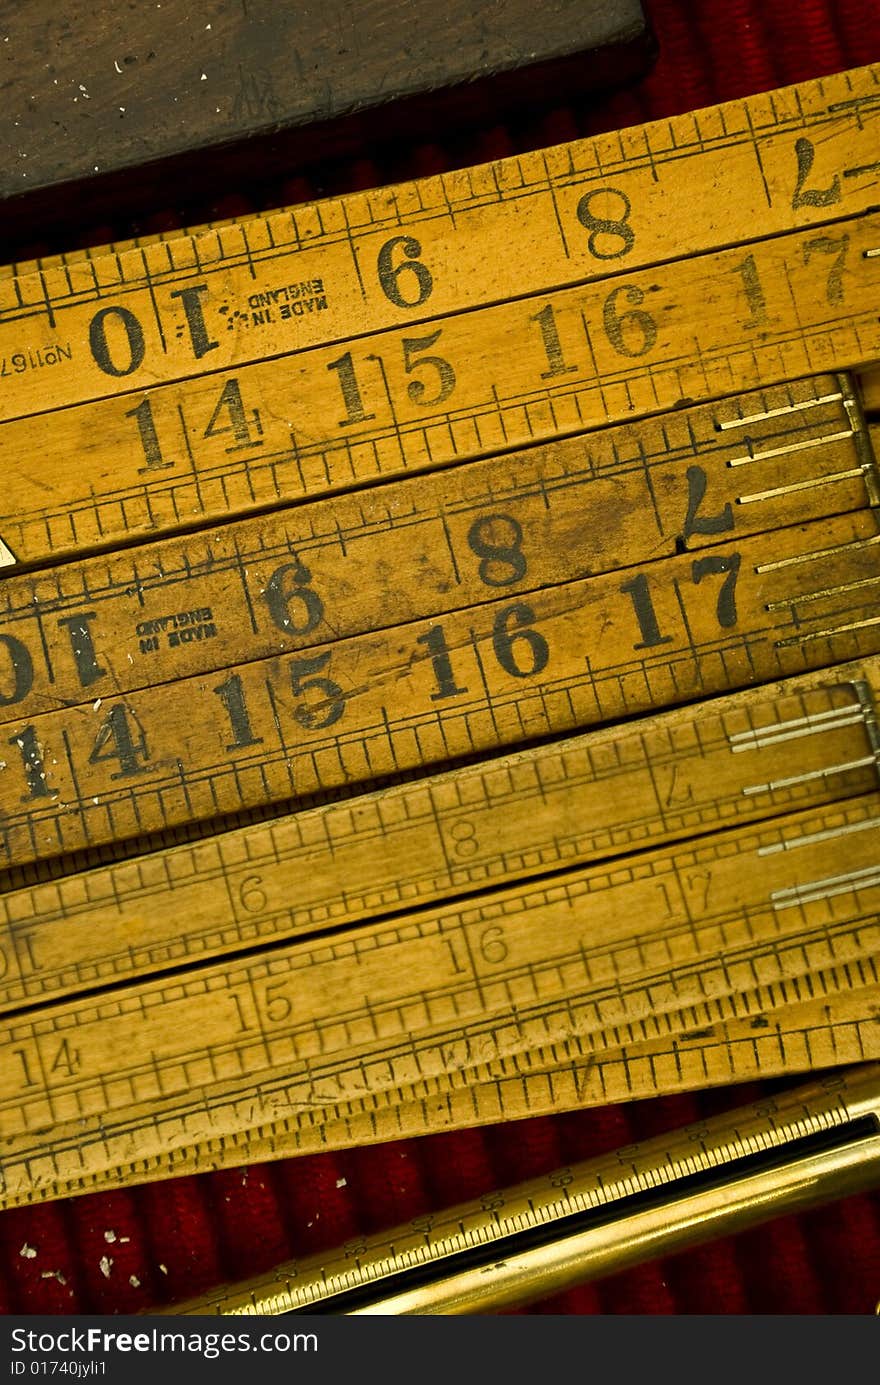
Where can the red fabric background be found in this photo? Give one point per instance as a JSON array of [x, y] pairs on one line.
[[177, 1238]]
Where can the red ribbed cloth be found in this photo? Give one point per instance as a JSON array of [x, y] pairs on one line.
[[127, 1250]]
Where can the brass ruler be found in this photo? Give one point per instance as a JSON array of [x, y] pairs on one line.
[[595, 1218], [647, 494]]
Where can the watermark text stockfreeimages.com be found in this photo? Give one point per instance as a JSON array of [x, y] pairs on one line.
[[152, 1340]]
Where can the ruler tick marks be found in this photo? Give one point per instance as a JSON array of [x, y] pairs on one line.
[[512, 853]]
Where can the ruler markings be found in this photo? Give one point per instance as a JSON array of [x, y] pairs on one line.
[[384, 1073], [458, 280], [733, 119], [793, 1040], [407, 401], [675, 609], [488, 675], [523, 948]]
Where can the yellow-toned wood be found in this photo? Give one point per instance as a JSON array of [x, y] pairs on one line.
[[722, 176], [616, 790], [749, 149], [424, 546], [459, 387], [798, 1038], [682, 899], [488, 676], [606, 952], [836, 1030], [869, 381]]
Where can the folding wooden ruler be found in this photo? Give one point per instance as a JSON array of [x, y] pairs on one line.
[[401, 730]]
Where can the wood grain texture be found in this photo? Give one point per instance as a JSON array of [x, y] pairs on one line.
[[95, 91], [588, 798], [425, 546], [328, 419], [522, 922]]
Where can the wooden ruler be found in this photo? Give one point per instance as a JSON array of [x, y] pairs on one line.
[[325, 420], [684, 897], [811, 1036], [739, 759], [750, 147], [84, 768], [371, 260], [575, 655], [228, 1126], [536, 944], [712, 948], [421, 547]]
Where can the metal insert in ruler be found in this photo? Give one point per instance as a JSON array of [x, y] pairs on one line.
[[680, 774], [667, 941], [616, 947], [464, 386], [424, 546], [332, 271]]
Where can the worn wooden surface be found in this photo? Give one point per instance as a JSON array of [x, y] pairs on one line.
[[590, 798], [684, 894], [92, 92], [422, 547]]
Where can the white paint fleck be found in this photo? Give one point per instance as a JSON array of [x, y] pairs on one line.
[[116, 65], [110, 1236], [53, 1274], [204, 77], [134, 1281], [96, 705], [106, 1265], [27, 1252], [342, 1182], [164, 1269]]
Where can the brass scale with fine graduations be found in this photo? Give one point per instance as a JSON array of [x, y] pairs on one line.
[[403, 731]]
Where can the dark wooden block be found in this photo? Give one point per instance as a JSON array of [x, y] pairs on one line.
[[92, 91]]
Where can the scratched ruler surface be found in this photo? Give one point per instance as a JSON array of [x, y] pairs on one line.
[[439, 684]]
